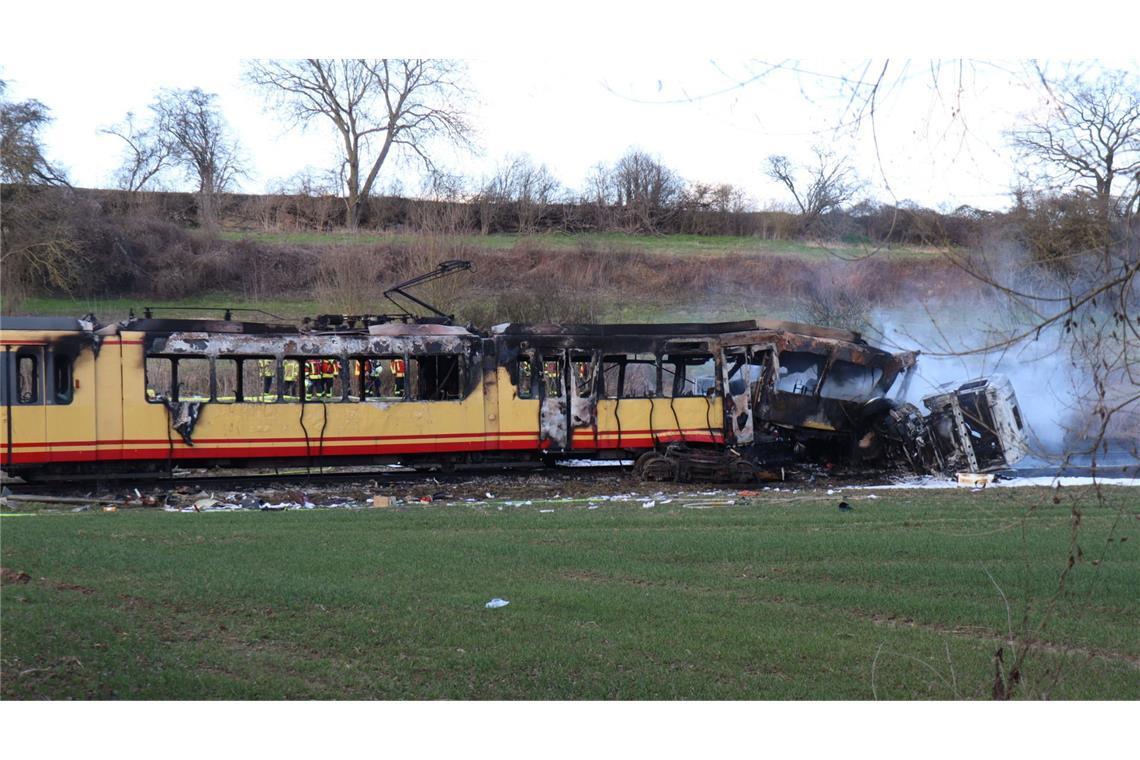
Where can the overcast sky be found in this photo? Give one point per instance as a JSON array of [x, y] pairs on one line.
[[711, 112]]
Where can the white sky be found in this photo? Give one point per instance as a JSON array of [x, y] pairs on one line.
[[569, 88]]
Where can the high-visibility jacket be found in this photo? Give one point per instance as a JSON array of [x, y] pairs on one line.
[[398, 367], [328, 368], [290, 370], [312, 368], [268, 367]]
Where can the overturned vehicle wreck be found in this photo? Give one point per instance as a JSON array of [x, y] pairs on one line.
[[735, 401]]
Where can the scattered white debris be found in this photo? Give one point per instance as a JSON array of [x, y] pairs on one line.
[[649, 504], [1046, 481], [496, 603], [544, 511]]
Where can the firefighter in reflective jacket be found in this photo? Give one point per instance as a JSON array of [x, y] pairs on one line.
[[398, 371], [328, 372], [268, 369], [291, 369], [312, 378]]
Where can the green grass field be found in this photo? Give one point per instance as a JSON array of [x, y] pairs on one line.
[[616, 242], [781, 597]]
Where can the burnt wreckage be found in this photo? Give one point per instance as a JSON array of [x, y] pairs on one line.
[[736, 401], [777, 393]]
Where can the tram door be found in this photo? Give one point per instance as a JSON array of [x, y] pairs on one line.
[[554, 406], [24, 424], [568, 413], [746, 371]]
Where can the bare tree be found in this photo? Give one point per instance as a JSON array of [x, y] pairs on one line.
[[831, 182], [647, 189], [146, 153], [22, 161], [526, 189], [1087, 139], [189, 124], [375, 105], [38, 245]]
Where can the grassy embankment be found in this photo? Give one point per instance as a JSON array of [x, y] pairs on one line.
[[785, 597], [699, 253]]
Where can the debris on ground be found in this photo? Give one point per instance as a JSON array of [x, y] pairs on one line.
[[496, 603], [13, 576], [975, 479]]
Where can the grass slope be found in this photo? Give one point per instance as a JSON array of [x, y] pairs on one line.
[[615, 242], [781, 598]]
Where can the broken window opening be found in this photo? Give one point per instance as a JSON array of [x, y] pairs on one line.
[[258, 379], [847, 381], [435, 378], [744, 373], [227, 380], [629, 376], [324, 379], [159, 373], [582, 370], [27, 379], [552, 376], [193, 377], [799, 372], [62, 391], [688, 376], [524, 377], [380, 378], [639, 376]]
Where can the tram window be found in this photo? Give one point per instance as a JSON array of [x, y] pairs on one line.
[[611, 376], [743, 374], [27, 379], [324, 379], [383, 378], [159, 372], [524, 377], [552, 376], [582, 370], [640, 380], [799, 372], [291, 373], [688, 376], [61, 379], [258, 379], [193, 378], [434, 378], [848, 381], [226, 380]]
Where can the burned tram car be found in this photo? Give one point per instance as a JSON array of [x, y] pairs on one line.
[[735, 400]]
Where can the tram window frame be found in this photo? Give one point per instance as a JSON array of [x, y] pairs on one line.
[[190, 362], [526, 391], [62, 379], [679, 366], [451, 386], [791, 382], [545, 385], [583, 386], [238, 389], [370, 390], [161, 395], [35, 397], [621, 363], [256, 394], [339, 375]]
